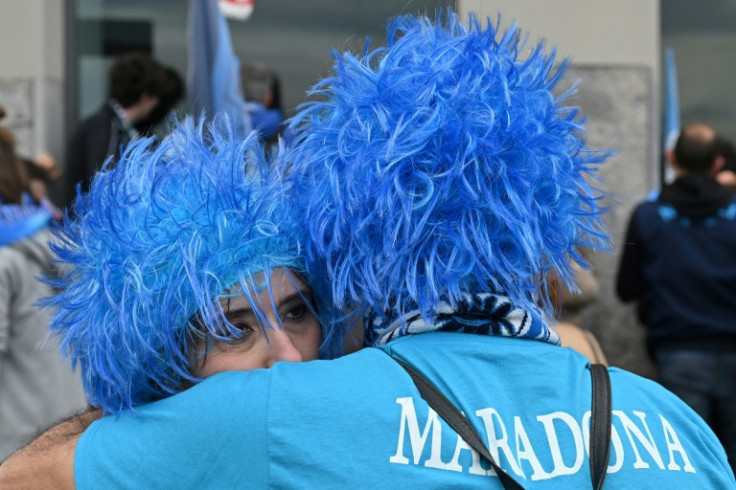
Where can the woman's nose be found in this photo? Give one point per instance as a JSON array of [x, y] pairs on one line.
[[281, 348]]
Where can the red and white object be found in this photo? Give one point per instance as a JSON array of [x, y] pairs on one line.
[[236, 9]]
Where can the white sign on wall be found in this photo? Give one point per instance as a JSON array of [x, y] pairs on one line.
[[16, 97]]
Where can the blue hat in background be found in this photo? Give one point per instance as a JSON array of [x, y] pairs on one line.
[[19, 221]]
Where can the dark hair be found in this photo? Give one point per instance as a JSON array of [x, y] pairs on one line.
[[132, 75], [34, 171], [256, 80], [170, 93], [727, 150], [696, 148], [13, 176], [276, 102]]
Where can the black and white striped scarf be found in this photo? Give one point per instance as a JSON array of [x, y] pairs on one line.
[[480, 313]]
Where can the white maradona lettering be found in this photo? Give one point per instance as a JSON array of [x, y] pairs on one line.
[[409, 422], [569, 424], [674, 446], [558, 439]]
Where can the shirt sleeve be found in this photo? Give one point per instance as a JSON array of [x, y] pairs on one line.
[[211, 435]]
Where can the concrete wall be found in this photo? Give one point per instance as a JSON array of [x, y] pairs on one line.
[[32, 74], [616, 53], [591, 31]]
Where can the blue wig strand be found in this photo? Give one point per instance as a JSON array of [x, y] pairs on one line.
[[157, 241], [443, 163]]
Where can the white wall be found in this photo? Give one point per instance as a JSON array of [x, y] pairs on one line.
[[32, 65], [592, 31]]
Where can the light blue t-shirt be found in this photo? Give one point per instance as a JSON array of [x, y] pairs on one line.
[[359, 422]]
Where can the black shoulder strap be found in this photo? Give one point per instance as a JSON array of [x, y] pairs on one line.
[[600, 423], [458, 422]]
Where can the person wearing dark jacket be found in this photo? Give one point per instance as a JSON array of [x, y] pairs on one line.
[[135, 86], [678, 263]]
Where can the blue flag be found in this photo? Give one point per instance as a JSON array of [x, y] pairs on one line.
[[671, 109], [214, 69], [671, 101]]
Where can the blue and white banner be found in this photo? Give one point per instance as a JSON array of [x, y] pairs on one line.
[[214, 68]]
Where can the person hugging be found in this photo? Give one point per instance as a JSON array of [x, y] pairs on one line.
[[184, 261]]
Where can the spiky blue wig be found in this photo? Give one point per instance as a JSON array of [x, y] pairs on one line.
[[159, 238], [444, 163]]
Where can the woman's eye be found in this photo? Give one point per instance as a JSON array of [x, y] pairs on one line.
[[245, 331], [296, 313]]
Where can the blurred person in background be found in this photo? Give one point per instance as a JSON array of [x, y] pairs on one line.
[[260, 87], [135, 86], [171, 92], [678, 263], [36, 386], [727, 175], [42, 170], [569, 303]]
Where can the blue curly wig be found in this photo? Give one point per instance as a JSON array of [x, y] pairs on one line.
[[444, 163], [159, 238]]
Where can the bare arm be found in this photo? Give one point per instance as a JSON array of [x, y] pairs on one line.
[[48, 461], [727, 178], [581, 341]]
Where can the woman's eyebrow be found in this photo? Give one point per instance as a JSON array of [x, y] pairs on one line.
[[239, 312], [301, 295]]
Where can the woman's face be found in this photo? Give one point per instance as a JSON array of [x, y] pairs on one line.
[[297, 339]]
